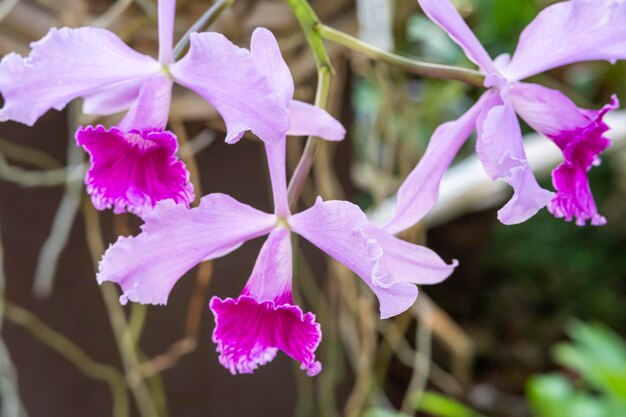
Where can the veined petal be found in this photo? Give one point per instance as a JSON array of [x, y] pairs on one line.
[[569, 32], [151, 109], [269, 62], [501, 151], [340, 229], [304, 119], [579, 133], [174, 239], [226, 76], [420, 191], [276, 162], [443, 13], [132, 171], [64, 65], [308, 120], [410, 263], [252, 328], [167, 14], [248, 334], [116, 98]]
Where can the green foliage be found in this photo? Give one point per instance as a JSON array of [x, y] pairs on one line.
[[598, 356], [438, 405]]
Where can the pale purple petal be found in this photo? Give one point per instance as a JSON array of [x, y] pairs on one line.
[[304, 119], [132, 171], [569, 32], [271, 276], [276, 162], [226, 76], [579, 133], [308, 120], [270, 63], [174, 239], [420, 191], [443, 13], [252, 328], [167, 14], [116, 98], [407, 262], [340, 229], [151, 109], [64, 65], [501, 151]]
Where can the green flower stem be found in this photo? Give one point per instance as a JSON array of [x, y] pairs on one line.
[[309, 22], [424, 69]]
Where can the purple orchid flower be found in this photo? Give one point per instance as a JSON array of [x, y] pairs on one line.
[[134, 163], [251, 328], [564, 33]]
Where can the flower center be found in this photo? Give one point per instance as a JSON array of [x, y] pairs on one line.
[[165, 70]]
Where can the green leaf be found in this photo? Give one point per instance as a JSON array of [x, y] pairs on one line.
[[549, 395], [439, 405], [598, 355]]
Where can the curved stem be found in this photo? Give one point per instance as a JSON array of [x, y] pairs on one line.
[[410, 65], [312, 145], [201, 24], [309, 22]]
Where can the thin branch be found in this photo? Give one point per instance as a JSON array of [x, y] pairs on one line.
[[73, 354], [123, 337], [421, 364], [10, 404], [64, 217], [413, 66], [6, 6], [115, 11]]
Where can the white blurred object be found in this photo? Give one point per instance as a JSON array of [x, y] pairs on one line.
[[375, 23], [465, 188]]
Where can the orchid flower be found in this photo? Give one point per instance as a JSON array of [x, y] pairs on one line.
[[564, 33], [251, 328], [134, 163]]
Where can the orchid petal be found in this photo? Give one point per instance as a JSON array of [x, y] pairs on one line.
[[167, 14], [276, 162], [226, 77], [174, 239], [151, 109], [64, 65], [410, 263], [250, 329], [579, 133], [308, 120], [115, 98], [443, 13], [501, 151], [420, 191], [339, 228], [269, 62], [568, 32], [132, 171]]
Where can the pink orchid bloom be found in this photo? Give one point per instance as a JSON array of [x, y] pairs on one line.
[[251, 328], [564, 33], [134, 163]]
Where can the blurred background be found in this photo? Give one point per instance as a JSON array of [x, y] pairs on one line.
[[530, 324]]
